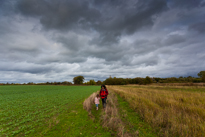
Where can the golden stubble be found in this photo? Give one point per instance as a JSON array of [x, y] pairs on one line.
[[174, 113]]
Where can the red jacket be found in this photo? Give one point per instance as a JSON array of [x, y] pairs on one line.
[[103, 94]]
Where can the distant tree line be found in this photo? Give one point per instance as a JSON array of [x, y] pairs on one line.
[[32, 83], [149, 80], [79, 80], [125, 81]]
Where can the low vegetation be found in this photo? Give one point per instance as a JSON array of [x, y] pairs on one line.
[[46, 111], [171, 110]]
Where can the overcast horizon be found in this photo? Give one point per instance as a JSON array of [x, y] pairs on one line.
[[56, 40]]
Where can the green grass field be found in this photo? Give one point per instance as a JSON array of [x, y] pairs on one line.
[[46, 111]]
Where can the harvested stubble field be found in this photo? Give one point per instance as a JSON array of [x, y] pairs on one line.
[[171, 110]]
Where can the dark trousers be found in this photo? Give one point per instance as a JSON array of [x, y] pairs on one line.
[[104, 102]]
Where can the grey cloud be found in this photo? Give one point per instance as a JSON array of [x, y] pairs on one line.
[[143, 46], [128, 19], [72, 42], [173, 39], [202, 4], [128, 16], [110, 22], [199, 27], [28, 68], [147, 60], [7, 7], [178, 19], [59, 14], [106, 39], [112, 53], [61, 57], [185, 3]]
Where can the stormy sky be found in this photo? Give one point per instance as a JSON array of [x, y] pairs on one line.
[[56, 40]]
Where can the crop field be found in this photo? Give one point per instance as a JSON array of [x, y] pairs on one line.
[[170, 110], [45, 110], [133, 110]]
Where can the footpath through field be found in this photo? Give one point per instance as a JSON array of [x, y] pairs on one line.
[[118, 117]]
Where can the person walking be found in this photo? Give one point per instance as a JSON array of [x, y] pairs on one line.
[[97, 98], [103, 94]]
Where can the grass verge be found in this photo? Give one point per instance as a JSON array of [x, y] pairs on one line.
[[134, 124]]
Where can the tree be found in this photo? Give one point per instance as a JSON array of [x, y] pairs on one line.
[[157, 79], [66, 83], [92, 82], [139, 80], [147, 80], [78, 80], [99, 82], [201, 74]]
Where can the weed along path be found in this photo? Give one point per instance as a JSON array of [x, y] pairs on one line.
[[118, 118]]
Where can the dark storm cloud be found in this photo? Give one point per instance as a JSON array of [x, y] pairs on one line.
[[59, 14], [6, 7], [186, 3], [126, 17], [109, 18], [63, 14], [199, 27]]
